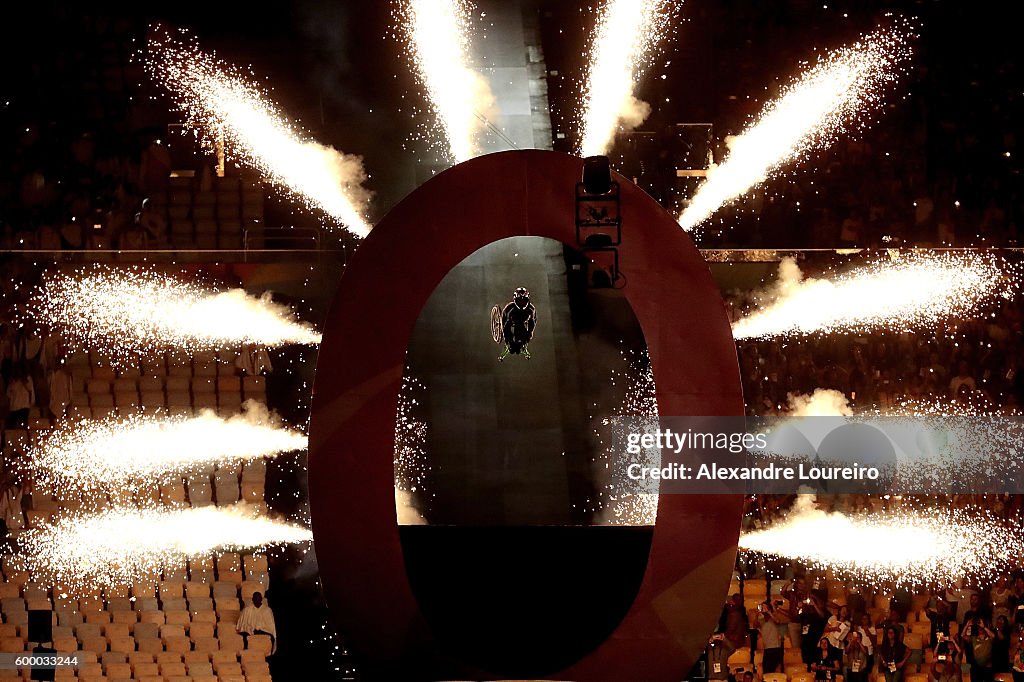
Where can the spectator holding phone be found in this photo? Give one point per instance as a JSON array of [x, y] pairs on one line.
[[857, 664], [813, 618], [719, 651], [837, 628], [944, 671], [977, 641], [773, 621]]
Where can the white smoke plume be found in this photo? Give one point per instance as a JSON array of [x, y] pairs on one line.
[[222, 103], [405, 506], [115, 454], [917, 289], [824, 402], [625, 39], [634, 112], [906, 546], [124, 545], [411, 460], [438, 39], [125, 312]]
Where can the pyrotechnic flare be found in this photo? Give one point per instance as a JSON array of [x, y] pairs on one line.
[[975, 404], [962, 446], [128, 311], [916, 290], [906, 547], [627, 32], [438, 35], [220, 101], [965, 445], [112, 454], [824, 402], [411, 464], [122, 546], [621, 506], [811, 113]]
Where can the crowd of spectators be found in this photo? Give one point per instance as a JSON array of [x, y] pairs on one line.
[[971, 627], [62, 189], [83, 193]]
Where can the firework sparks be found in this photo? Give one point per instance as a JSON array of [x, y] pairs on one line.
[[928, 445], [822, 403], [627, 32], [962, 445], [811, 113], [133, 310], [113, 453], [410, 453], [438, 35], [122, 546], [220, 101], [973, 405], [624, 507], [916, 290], [905, 547]]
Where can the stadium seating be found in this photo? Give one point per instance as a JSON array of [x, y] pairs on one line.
[[179, 626]]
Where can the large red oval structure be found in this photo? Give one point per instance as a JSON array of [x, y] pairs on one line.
[[359, 371]]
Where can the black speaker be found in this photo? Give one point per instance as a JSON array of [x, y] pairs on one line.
[[597, 175], [40, 626], [47, 674]]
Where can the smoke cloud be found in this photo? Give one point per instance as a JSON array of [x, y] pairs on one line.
[[824, 402], [115, 454], [917, 289], [405, 505], [634, 112]]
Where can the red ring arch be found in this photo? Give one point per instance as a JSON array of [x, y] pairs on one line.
[[351, 475]]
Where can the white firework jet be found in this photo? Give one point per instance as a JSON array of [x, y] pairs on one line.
[[115, 453], [962, 445], [627, 33], [134, 310], [121, 545], [411, 464], [222, 103], [437, 32], [906, 547], [930, 446], [913, 291], [622, 504], [819, 107]]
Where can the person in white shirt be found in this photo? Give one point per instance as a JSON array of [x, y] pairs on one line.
[[257, 619], [837, 628], [868, 637]]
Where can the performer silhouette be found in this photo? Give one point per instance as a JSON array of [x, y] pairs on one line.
[[518, 320]]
